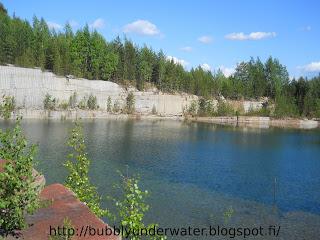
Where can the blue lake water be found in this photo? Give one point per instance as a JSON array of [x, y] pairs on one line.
[[195, 171]]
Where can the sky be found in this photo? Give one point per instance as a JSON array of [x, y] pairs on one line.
[[211, 33]]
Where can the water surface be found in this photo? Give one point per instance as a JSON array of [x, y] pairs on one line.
[[197, 171]]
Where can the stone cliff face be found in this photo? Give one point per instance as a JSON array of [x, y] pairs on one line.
[[29, 87]]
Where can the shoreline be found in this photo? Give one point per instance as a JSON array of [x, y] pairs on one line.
[[241, 121]]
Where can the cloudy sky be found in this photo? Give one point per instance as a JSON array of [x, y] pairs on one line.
[[213, 34]]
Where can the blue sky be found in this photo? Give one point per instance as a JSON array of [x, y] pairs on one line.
[[214, 34]]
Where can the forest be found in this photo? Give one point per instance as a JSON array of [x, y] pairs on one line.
[[86, 54]]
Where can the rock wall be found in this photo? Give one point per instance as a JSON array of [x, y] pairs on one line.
[[29, 87]]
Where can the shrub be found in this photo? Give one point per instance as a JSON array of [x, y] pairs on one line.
[[64, 105], [92, 102], [18, 193], [130, 101], [193, 108], [78, 172], [285, 107], [317, 110], [83, 103], [225, 109], [109, 104], [116, 107], [73, 100], [205, 107], [262, 112], [7, 106], [131, 207], [49, 103]]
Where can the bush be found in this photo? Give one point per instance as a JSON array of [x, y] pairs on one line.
[[116, 107], [262, 112], [18, 193], [132, 206], [63, 105], [49, 103], [285, 107], [130, 101], [83, 103], [109, 104], [78, 172], [92, 102], [193, 108], [317, 110], [225, 109], [7, 106], [205, 107], [73, 100]]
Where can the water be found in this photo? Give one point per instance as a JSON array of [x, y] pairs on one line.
[[197, 171]]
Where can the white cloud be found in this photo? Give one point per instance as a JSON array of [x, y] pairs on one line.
[[308, 28], [182, 62], [227, 71], [142, 27], [98, 23], [251, 36], [53, 25], [73, 23], [305, 28], [206, 67], [311, 67], [186, 49], [205, 39]]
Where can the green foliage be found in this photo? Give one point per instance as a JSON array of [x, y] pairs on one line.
[[49, 102], [132, 206], [83, 103], [7, 106], [263, 112], [64, 105], [228, 214], [285, 107], [225, 109], [78, 166], [73, 100], [92, 102], [193, 108], [116, 107], [130, 101], [109, 106], [18, 193], [317, 109], [86, 54], [205, 107]]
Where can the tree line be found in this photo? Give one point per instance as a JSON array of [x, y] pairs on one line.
[[86, 54]]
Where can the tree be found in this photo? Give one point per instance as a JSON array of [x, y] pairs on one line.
[[18, 193], [131, 208], [130, 58], [78, 166], [130, 103]]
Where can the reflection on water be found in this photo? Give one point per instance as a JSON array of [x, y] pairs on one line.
[[197, 171]]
